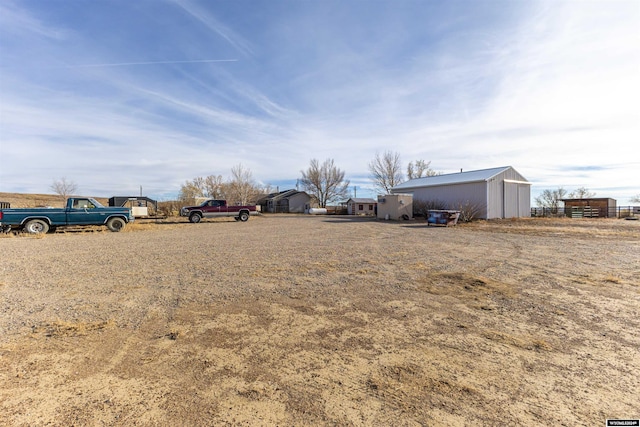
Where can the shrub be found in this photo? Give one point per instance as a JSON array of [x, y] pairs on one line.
[[468, 211], [170, 208], [421, 207]]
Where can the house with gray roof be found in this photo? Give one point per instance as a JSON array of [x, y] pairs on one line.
[[496, 193], [288, 201]]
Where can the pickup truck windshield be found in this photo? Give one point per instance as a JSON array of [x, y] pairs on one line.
[[86, 204]]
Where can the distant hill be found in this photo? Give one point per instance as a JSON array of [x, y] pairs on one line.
[[20, 200]]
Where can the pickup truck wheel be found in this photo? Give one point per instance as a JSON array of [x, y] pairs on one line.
[[116, 224], [244, 216], [36, 226], [195, 218]]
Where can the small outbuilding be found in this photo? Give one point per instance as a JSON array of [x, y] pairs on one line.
[[395, 206], [590, 208], [288, 201], [492, 193], [361, 206]]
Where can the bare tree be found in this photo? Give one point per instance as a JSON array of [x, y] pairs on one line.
[[325, 182], [581, 193], [214, 186], [242, 189], [386, 171], [191, 189], [64, 188], [551, 199], [419, 169], [266, 189], [635, 199]]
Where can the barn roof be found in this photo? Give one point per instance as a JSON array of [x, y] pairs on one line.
[[452, 178]]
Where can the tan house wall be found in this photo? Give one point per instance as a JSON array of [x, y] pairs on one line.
[[394, 206]]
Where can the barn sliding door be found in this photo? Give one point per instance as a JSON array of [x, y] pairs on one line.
[[516, 199]]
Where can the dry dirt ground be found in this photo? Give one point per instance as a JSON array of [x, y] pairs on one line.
[[307, 320]]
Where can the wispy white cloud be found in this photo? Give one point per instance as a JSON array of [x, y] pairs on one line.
[[550, 88], [208, 19], [571, 83], [125, 64], [19, 21]]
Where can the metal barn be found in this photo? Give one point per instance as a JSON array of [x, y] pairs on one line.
[[496, 193]]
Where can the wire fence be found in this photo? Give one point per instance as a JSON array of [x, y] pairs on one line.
[[587, 212]]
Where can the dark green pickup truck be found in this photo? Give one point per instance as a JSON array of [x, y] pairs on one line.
[[79, 211]]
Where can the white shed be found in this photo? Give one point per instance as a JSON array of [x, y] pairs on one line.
[[361, 206], [497, 193]]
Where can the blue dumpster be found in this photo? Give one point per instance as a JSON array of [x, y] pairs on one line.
[[442, 217]]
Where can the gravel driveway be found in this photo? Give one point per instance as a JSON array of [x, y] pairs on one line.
[[320, 320]]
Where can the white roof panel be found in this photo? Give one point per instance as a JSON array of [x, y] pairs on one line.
[[451, 178], [361, 200]]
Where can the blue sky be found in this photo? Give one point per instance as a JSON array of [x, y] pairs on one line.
[[118, 94]]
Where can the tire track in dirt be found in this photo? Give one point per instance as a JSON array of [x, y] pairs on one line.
[[322, 321]]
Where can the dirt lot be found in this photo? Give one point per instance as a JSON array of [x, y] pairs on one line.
[[301, 320]]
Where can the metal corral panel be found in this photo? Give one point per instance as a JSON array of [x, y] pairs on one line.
[[599, 207]]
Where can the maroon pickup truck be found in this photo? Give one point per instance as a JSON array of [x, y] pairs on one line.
[[217, 208]]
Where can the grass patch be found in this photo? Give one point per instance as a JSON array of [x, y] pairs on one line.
[[139, 226], [61, 328], [14, 234], [540, 344], [527, 343], [463, 286]]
